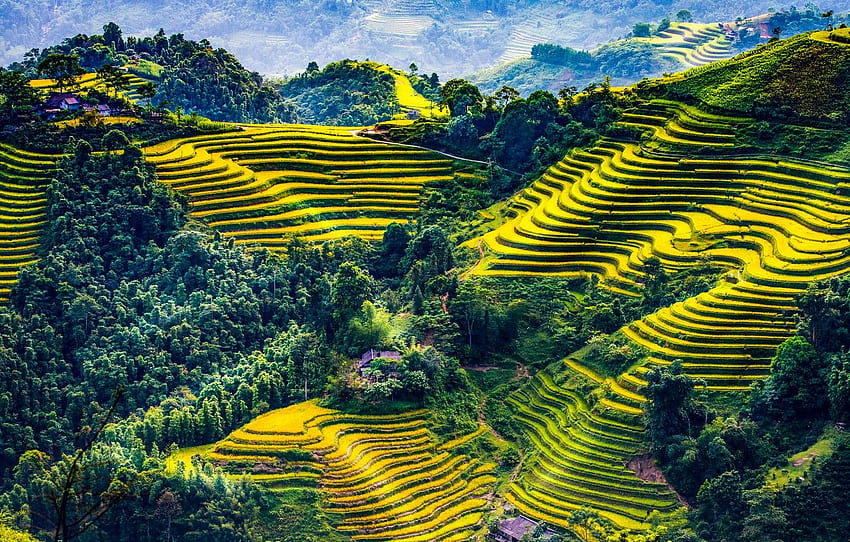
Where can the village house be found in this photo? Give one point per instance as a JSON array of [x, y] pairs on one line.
[[371, 355], [58, 102], [513, 529]]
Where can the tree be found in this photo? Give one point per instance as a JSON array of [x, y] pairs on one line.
[[684, 16], [17, 96], [74, 488], [167, 508], [351, 286], [461, 97], [838, 384], [64, 69], [641, 30], [504, 96], [671, 406], [112, 36], [146, 90], [113, 78], [796, 384]]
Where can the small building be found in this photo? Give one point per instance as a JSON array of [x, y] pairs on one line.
[[58, 103], [371, 355], [65, 101], [513, 529], [103, 110], [413, 114]]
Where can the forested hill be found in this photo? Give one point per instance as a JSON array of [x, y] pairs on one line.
[[187, 75], [451, 37]]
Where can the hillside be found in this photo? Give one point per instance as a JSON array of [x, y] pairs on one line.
[[776, 80], [445, 36], [666, 47], [623, 316]]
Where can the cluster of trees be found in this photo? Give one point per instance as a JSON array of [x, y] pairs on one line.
[[200, 336], [563, 56], [520, 136], [343, 93], [718, 462]]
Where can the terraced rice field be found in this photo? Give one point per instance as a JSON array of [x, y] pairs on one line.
[[408, 97], [385, 476], [24, 176], [264, 185], [775, 224], [691, 44], [581, 451], [92, 81]]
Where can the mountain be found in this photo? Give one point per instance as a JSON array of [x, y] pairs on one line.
[[805, 76], [666, 47], [450, 37]]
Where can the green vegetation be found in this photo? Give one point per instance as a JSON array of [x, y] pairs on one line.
[[654, 50], [658, 314], [188, 75], [344, 93], [774, 81]]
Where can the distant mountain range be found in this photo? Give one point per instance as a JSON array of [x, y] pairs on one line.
[[450, 37]]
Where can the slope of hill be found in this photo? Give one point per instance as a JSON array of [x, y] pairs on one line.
[[24, 176], [671, 47], [356, 93], [447, 36], [776, 224], [805, 76]]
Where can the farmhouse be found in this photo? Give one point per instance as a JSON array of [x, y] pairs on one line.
[[66, 101], [370, 355], [513, 529]]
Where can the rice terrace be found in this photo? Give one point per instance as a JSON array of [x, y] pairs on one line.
[[430, 312]]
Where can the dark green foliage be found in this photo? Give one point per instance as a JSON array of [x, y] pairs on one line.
[[17, 97], [641, 30], [461, 97], [121, 298], [64, 68], [730, 507], [797, 383], [825, 317], [393, 247], [563, 56], [672, 409], [344, 93]]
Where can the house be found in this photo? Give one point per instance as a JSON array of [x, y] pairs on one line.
[[103, 110], [370, 355], [513, 529], [59, 102], [64, 101], [413, 114]]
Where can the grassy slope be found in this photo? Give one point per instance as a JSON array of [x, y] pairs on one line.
[[682, 46], [807, 74]]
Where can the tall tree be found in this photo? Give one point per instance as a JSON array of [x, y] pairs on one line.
[[62, 68]]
